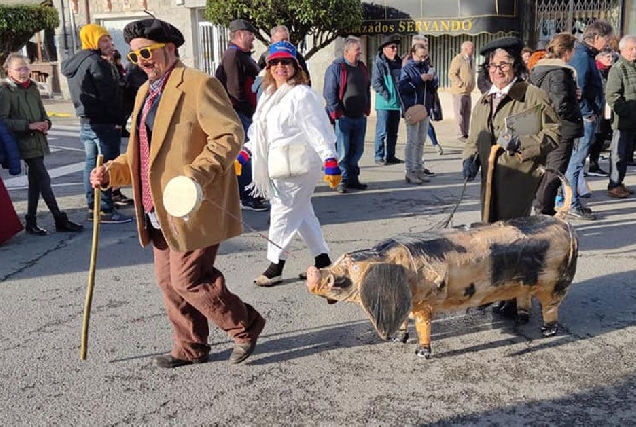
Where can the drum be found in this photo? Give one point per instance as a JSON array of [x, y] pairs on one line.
[[182, 196]]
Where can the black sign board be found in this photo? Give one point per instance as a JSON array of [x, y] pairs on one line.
[[433, 17]]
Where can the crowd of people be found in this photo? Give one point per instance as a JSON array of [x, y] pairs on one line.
[[259, 138]]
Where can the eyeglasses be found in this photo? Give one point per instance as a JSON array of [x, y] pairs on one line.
[[143, 53], [502, 66], [280, 61], [393, 46], [21, 69]]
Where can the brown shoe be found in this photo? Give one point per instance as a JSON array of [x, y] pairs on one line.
[[242, 351], [167, 361], [627, 190], [618, 193]]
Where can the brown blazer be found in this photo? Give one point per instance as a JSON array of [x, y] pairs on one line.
[[197, 134]]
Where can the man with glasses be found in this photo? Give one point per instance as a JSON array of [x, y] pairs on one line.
[[184, 125], [596, 37], [386, 73], [462, 77], [237, 73], [98, 103]]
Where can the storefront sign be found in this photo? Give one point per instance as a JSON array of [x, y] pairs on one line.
[[439, 17]]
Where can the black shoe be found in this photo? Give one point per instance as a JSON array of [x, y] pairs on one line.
[[597, 172], [31, 227], [581, 214], [242, 351], [380, 162], [121, 200], [394, 161], [341, 188], [63, 224], [169, 362], [428, 173], [357, 185], [256, 205]]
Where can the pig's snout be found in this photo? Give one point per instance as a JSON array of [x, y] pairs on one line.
[[313, 278]]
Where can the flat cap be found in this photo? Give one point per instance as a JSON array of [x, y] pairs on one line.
[[242, 24], [387, 40], [512, 45], [153, 29]]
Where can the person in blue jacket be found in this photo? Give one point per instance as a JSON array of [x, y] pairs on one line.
[[9, 151], [347, 91], [418, 82]]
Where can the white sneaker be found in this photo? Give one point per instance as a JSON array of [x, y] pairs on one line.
[[439, 149]]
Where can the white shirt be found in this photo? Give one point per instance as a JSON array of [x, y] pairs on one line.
[[494, 90]]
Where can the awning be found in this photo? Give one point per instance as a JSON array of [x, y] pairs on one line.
[[438, 17]]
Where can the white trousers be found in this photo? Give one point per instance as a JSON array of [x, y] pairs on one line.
[[414, 149], [291, 212]]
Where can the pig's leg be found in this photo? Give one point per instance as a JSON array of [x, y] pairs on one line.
[[550, 302], [423, 317], [402, 334], [524, 304]]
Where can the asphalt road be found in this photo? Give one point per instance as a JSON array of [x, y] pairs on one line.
[[315, 364]]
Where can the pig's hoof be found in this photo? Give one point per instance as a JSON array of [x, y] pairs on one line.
[[423, 351], [549, 330], [402, 337], [522, 318]]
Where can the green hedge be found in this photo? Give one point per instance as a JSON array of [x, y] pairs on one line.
[[19, 23]]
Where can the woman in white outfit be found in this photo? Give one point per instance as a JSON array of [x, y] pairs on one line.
[[290, 141]]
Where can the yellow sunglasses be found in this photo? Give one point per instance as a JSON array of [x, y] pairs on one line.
[[143, 53]]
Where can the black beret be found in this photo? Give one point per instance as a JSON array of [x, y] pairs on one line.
[[242, 24], [512, 45], [153, 29], [387, 40]]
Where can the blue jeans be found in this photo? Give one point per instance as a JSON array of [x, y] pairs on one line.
[[386, 132], [431, 133], [245, 178], [350, 137], [577, 160], [104, 139]]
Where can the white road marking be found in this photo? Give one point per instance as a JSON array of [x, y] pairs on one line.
[[21, 182]]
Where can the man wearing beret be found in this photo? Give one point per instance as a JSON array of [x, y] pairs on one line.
[[98, 104], [183, 125], [237, 72]]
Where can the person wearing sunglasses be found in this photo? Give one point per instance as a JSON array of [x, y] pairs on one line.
[[516, 174], [290, 118], [183, 124], [98, 103]]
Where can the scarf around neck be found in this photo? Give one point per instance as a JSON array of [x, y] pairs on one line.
[[261, 183]]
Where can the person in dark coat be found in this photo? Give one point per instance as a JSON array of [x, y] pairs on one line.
[[556, 78], [385, 75], [515, 176], [22, 109]]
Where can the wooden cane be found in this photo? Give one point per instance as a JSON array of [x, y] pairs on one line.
[[492, 158], [91, 270]]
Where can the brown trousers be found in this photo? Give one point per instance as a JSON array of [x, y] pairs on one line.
[[195, 292], [462, 108]]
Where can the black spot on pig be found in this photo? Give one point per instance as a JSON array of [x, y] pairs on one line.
[[521, 261], [470, 290], [429, 245]]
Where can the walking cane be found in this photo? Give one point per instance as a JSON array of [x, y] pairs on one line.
[[489, 177], [91, 270]]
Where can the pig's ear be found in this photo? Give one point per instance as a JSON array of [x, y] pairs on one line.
[[386, 297]]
